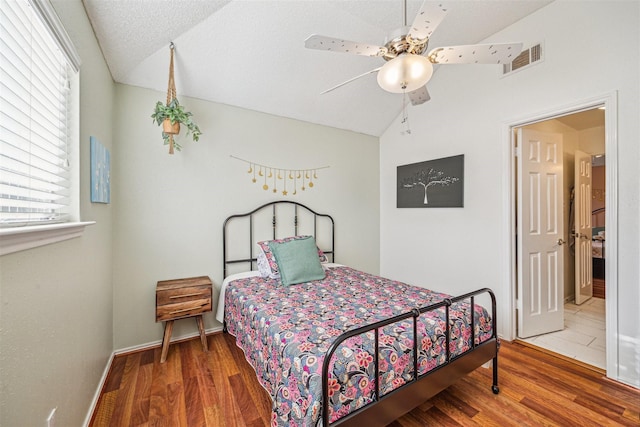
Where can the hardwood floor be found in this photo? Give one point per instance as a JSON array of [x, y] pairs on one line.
[[219, 388], [598, 288]]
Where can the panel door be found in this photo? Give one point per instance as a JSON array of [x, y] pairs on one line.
[[540, 233], [583, 228]]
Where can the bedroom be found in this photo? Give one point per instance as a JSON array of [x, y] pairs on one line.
[[91, 296]]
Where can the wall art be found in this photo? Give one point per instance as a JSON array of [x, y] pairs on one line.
[[276, 179], [431, 184], [100, 172]]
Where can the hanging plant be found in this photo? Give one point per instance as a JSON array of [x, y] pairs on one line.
[[171, 115]]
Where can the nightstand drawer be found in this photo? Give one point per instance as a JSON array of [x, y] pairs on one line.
[[172, 296], [181, 298], [187, 308]]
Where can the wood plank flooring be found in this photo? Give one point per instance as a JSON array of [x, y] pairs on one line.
[[598, 288], [219, 388]]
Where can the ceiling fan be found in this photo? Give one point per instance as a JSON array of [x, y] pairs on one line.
[[407, 70]]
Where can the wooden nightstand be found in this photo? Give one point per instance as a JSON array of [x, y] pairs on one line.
[[179, 299]]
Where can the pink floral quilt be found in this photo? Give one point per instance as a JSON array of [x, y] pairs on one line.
[[286, 331]]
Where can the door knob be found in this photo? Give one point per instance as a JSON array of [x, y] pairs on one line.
[[561, 242]]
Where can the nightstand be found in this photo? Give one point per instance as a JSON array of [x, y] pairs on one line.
[[179, 299]]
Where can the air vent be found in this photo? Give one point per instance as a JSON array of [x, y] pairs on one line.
[[528, 57]]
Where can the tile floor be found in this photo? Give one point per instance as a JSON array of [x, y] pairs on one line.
[[583, 337]]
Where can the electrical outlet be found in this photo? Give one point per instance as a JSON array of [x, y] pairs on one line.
[[51, 419]]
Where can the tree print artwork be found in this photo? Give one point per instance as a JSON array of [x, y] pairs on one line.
[[428, 178], [433, 183]]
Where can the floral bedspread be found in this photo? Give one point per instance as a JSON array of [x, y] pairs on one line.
[[285, 332]]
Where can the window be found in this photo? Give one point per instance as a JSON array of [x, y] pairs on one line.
[[38, 118]]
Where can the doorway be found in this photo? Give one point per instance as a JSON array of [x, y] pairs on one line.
[[574, 123], [555, 195]]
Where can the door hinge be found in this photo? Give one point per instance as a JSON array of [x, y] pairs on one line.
[[516, 151], [518, 304]]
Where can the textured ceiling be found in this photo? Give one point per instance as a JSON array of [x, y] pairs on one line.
[[250, 53]]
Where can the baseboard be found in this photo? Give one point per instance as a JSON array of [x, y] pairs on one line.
[[96, 395], [134, 349], [158, 343]]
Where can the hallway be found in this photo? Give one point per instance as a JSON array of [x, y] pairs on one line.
[[583, 337]]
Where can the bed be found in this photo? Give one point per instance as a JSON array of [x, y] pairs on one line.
[[343, 349]]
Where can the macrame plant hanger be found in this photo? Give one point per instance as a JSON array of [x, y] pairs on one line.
[[169, 128]]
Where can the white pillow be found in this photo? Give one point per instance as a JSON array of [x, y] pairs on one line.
[[263, 266]]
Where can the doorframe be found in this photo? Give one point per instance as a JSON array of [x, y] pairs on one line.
[[610, 102]]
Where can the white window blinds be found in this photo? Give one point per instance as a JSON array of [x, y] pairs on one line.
[[35, 97]]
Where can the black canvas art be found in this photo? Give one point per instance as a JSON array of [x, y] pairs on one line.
[[432, 184]]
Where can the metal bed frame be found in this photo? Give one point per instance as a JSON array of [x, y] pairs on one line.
[[390, 406], [274, 225]]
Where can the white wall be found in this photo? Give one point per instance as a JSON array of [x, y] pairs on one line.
[[591, 49], [56, 300], [169, 210]]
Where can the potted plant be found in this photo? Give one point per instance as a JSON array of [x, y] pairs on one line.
[[171, 116]]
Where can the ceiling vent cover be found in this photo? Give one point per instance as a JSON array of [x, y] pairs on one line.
[[528, 57]]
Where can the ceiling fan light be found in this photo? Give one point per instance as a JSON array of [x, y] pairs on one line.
[[405, 73]]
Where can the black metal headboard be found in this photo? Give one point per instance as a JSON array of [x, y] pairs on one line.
[[286, 219]]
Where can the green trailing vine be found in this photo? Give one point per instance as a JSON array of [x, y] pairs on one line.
[[176, 114]]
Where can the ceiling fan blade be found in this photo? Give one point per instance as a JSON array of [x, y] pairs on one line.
[[427, 20], [495, 53], [419, 96], [350, 80], [315, 41]]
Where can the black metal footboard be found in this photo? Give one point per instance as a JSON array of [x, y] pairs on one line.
[[390, 406]]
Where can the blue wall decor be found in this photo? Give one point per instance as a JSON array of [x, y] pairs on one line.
[[100, 172]]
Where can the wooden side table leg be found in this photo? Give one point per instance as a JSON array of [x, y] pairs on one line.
[[203, 336], [168, 328]]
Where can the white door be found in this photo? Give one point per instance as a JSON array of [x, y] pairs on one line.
[[540, 233], [583, 230]]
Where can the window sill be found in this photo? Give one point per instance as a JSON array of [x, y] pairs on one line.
[[21, 238]]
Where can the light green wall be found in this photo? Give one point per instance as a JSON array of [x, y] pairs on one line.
[[56, 332], [66, 307], [169, 209]]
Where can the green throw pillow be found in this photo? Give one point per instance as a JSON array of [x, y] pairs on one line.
[[298, 261]]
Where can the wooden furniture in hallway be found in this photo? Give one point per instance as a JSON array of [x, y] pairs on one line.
[[598, 288]]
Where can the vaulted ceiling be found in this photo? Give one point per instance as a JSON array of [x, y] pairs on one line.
[[251, 54]]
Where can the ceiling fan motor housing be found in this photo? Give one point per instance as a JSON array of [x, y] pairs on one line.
[[399, 42]]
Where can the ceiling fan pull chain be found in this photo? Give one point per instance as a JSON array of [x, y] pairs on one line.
[[405, 116]]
